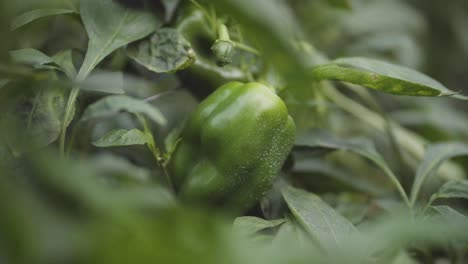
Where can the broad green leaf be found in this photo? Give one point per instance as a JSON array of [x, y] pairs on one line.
[[32, 57], [249, 225], [381, 76], [61, 61], [382, 240], [360, 146], [165, 51], [344, 4], [114, 104], [64, 59], [109, 27], [328, 228], [451, 216], [39, 112], [122, 137], [32, 15], [453, 189], [435, 156], [106, 82]]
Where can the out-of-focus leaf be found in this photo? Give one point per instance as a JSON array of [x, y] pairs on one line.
[[32, 57], [114, 104], [64, 59], [451, 216], [61, 61], [398, 47], [3, 82], [435, 156], [170, 7], [273, 27], [382, 76], [106, 82], [120, 171], [39, 113], [165, 51], [441, 115], [359, 146], [453, 189], [109, 27], [372, 18], [381, 241], [121, 137], [343, 4], [329, 229], [320, 166], [404, 258], [32, 15], [250, 225]]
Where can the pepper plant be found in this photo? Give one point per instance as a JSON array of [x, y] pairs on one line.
[[233, 131]]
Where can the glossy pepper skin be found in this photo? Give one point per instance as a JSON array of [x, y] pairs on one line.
[[233, 146]]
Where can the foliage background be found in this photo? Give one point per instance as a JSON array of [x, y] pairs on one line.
[[112, 205]]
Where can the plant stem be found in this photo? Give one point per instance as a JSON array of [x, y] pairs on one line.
[[155, 151], [66, 118], [242, 46]]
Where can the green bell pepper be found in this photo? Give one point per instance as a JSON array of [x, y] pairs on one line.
[[233, 146]]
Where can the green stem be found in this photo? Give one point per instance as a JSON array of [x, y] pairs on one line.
[[67, 116], [245, 47], [155, 151]]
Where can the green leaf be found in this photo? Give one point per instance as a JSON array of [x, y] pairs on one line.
[[106, 82], [381, 76], [452, 189], [435, 156], [4, 82], [315, 167], [114, 104], [382, 240], [32, 15], [360, 146], [165, 51], [32, 57], [109, 27], [64, 59], [343, 4], [328, 228], [451, 216], [39, 112], [121, 137], [249, 225], [61, 61]]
